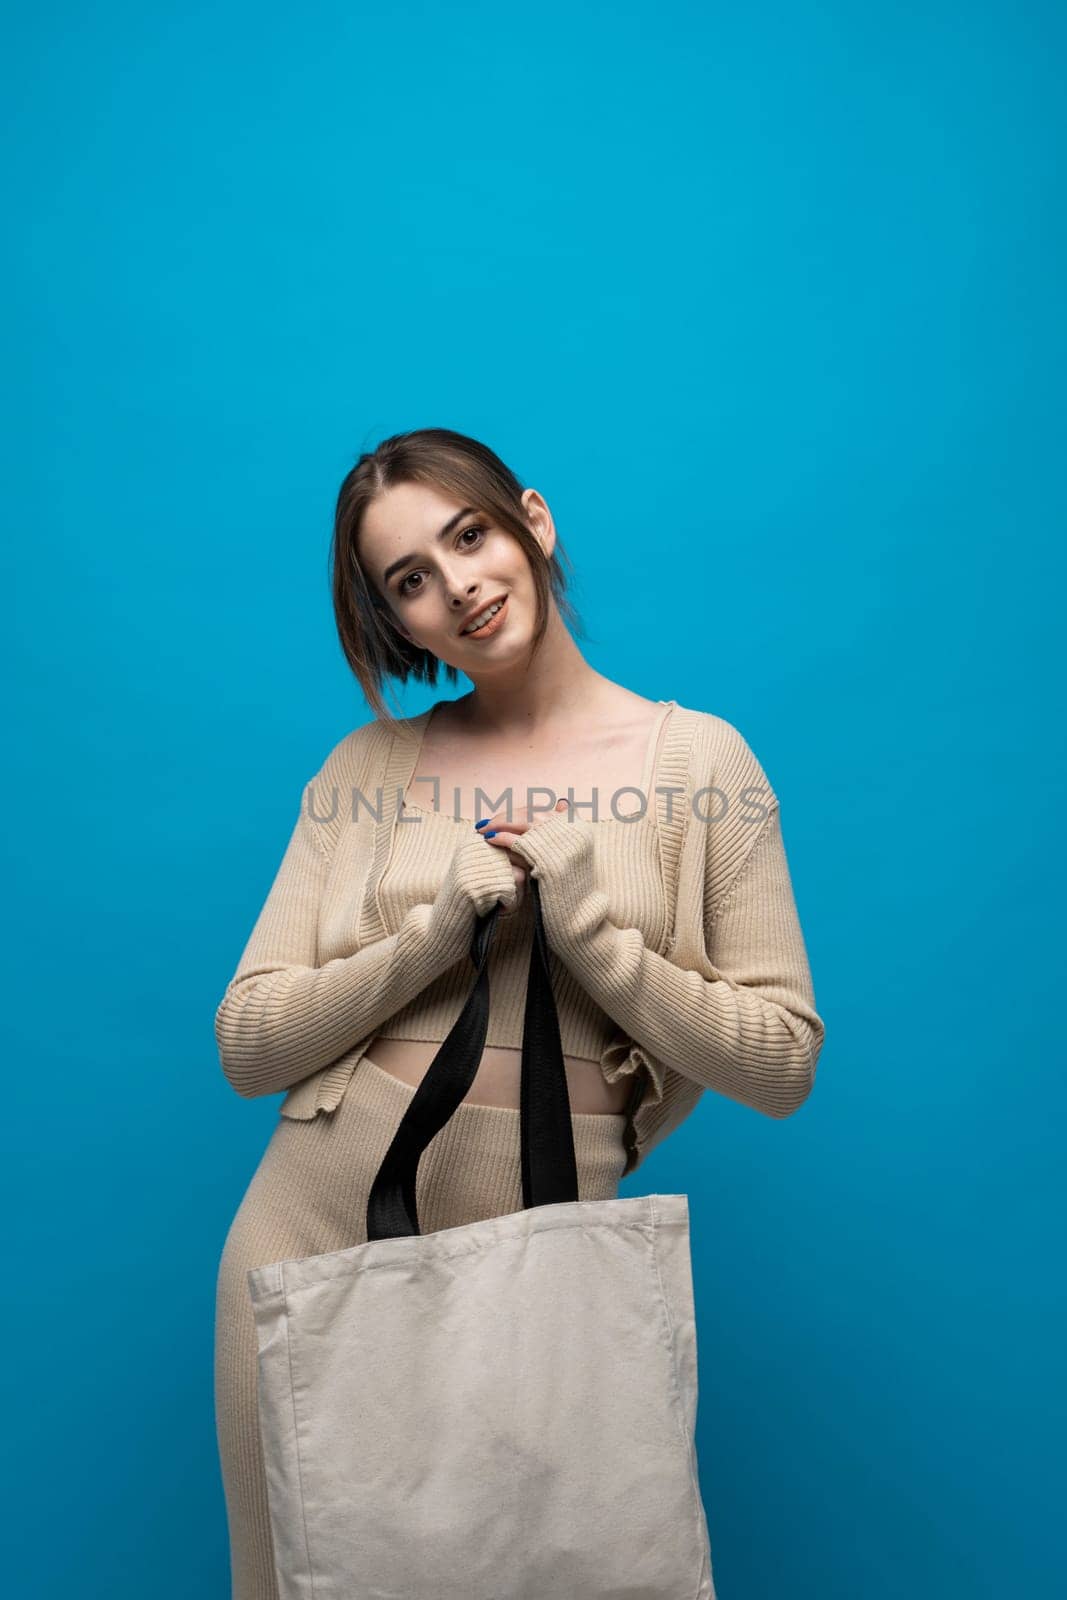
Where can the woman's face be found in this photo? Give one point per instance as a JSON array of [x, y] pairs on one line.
[[438, 564]]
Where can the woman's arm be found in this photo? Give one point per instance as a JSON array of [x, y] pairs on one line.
[[751, 1031], [283, 1017]]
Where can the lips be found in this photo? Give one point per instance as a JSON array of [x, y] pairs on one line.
[[497, 598]]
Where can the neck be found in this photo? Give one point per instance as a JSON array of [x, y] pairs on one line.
[[529, 698]]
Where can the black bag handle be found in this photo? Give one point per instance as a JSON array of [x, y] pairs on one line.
[[549, 1168]]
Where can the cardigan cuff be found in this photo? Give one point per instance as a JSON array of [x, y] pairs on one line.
[[559, 853], [556, 844], [478, 877]]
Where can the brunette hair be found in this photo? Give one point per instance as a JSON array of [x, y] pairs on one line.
[[461, 467]]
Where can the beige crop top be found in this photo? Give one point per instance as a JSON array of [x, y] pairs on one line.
[[675, 948], [627, 868]]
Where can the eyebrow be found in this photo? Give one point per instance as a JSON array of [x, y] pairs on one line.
[[443, 533]]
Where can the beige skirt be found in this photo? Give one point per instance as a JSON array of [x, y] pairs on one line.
[[309, 1196]]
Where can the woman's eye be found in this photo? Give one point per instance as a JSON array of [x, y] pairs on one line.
[[474, 527]]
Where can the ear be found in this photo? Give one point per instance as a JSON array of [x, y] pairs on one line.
[[539, 516]]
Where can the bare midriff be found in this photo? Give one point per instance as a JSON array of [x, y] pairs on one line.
[[611, 754], [496, 1082]]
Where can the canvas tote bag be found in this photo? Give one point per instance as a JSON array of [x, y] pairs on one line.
[[500, 1411]]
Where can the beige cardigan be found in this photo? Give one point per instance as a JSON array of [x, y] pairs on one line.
[[727, 1004]]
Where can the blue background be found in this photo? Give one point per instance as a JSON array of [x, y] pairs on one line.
[[767, 302]]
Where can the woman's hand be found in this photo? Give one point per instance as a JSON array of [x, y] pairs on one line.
[[501, 831]]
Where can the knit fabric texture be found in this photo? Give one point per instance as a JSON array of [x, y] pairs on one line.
[[309, 1196], [676, 951]]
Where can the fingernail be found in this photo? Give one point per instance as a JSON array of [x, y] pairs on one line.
[[491, 834], [482, 823]]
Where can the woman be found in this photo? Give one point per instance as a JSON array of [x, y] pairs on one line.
[[677, 959]]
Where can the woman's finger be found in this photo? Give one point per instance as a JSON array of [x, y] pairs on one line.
[[504, 839], [508, 828]]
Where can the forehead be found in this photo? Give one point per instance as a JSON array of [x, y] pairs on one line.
[[406, 511]]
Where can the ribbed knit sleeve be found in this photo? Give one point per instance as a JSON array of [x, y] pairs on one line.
[[749, 1031], [283, 1017]]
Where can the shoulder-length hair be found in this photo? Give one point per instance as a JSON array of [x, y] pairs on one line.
[[473, 474]]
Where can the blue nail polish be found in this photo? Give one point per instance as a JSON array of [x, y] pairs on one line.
[[491, 834], [482, 823]]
